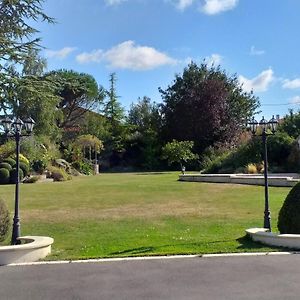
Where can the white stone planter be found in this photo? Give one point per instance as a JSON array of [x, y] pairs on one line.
[[273, 179], [35, 248], [269, 238]]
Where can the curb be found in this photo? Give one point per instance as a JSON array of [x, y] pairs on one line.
[[103, 260]]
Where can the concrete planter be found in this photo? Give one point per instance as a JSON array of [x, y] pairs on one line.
[[269, 238], [273, 179], [35, 248]]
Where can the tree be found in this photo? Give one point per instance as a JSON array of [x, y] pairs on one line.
[[114, 114], [17, 38], [205, 105], [144, 143], [178, 152], [291, 124], [78, 92], [112, 107]]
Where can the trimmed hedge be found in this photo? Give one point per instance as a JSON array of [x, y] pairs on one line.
[[4, 176], [13, 175], [24, 167], [10, 161], [289, 214], [5, 165]]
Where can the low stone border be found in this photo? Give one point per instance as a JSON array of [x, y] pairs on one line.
[[273, 180], [269, 238], [35, 248]]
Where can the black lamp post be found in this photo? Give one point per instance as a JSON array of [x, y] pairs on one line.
[[267, 128], [13, 128]]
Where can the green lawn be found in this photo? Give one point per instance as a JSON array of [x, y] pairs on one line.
[[113, 215]]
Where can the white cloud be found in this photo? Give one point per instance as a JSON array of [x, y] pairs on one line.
[[291, 84], [94, 56], [254, 51], [214, 59], [295, 100], [183, 4], [60, 54], [114, 2], [213, 7], [260, 83], [128, 55]]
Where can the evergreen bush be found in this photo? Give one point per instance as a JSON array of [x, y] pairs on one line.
[[13, 175], [289, 214], [4, 176], [5, 166], [24, 167], [10, 161], [4, 220]]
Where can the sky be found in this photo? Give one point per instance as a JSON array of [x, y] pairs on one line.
[[147, 42]]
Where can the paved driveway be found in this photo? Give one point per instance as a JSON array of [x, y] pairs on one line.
[[255, 277]]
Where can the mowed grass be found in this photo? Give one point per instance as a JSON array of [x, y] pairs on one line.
[[133, 214]]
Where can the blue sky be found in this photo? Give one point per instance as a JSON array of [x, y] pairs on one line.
[[146, 42]]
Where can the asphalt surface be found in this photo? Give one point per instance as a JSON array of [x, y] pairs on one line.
[[238, 278]]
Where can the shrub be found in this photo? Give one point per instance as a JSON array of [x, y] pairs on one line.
[[25, 168], [32, 179], [251, 169], [24, 159], [7, 149], [4, 176], [58, 174], [39, 166], [289, 214], [5, 166], [10, 161], [4, 220], [83, 167], [13, 175]]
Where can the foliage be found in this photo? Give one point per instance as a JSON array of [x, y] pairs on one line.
[[78, 92], [89, 141], [251, 169], [32, 179], [7, 149], [4, 176], [205, 105], [144, 142], [40, 148], [112, 107], [10, 161], [96, 125], [289, 214], [279, 146], [178, 152], [39, 166], [17, 39], [5, 166], [13, 175], [24, 159], [4, 220], [291, 124], [114, 113], [24, 167], [83, 167], [38, 96], [58, 174]]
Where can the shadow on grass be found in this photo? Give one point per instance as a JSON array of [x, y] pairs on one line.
[[247, 243], [142, 250]]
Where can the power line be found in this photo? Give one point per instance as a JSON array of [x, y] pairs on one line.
[[280, 104]]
